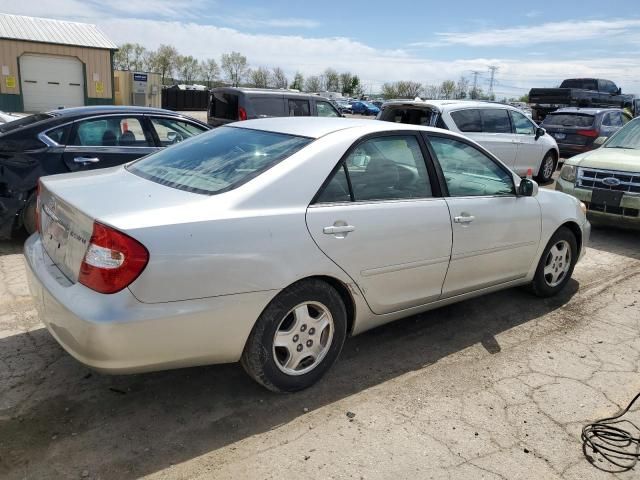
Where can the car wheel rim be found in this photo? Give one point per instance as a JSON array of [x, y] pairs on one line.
[[548, 168], [303, 338], [557, 263]]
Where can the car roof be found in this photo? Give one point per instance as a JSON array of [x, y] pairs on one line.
[[266, 91], [100, 109], [588, 111], [442, 105], [316, 127]]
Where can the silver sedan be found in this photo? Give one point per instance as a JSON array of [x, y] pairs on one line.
[[270, 241]]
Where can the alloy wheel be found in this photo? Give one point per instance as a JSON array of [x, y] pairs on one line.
[[303, 338]]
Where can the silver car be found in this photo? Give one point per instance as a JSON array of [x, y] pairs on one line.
[[270, 241]]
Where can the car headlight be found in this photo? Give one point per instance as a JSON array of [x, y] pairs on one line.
[[568, 173]]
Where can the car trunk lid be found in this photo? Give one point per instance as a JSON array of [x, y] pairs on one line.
[[571, 128], [71, 203]]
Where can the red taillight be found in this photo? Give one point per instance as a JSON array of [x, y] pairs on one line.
[[588, 133], [242, 113], [113, 260], [38, 208]]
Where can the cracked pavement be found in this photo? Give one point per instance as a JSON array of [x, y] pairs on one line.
[[493, 388]]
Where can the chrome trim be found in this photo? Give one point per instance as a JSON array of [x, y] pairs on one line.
[[46, 140], [109, 149], [608, 174]]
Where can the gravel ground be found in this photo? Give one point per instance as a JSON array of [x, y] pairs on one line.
[[493, 388]]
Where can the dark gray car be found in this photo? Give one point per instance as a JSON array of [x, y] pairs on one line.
[[229, 104], [576, 129]]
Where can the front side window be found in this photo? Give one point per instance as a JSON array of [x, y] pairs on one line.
[[110, 132], [468, 171], [467, 120], [325, 109], [521, 124], [299, 108], [219, 160], [495, 120], [384, 168], [172, 131]]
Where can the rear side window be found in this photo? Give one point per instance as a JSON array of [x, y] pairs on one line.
[[111, 132], [60, 134], [272, 106], [586, 84], [612, 119], [385, 168], [495, 120], [299, 108], [224, 105], [467, 120], [219, 160], [568, 120]]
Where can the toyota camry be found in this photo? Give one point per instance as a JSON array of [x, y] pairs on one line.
[[271, 241]]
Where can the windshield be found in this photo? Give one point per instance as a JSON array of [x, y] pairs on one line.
[[627, 137], [219, 160], [23, 122]]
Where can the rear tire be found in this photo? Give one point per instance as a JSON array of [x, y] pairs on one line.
[[297, 337], [556, 264], [547, 168], [28, 214]]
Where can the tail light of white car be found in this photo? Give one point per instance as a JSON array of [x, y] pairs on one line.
[[113, 260]]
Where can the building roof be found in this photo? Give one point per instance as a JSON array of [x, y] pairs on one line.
[[32, 29]]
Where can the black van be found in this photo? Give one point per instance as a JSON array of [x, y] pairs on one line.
[[229, 104]]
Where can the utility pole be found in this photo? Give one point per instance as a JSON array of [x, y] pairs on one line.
[[474, 92], [492, 69]]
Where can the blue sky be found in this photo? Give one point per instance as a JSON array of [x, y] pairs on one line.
[[533, 45]]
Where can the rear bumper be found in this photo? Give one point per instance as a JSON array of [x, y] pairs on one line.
[[118, 334], [630, 206]]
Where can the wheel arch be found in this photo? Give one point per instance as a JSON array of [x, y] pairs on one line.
[[345, 294], [577, 232]]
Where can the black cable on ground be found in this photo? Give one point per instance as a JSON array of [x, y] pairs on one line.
[[605, 440]]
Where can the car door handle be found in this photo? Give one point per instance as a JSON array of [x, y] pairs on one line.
[[86, 159], [464, 219], [338, 229]]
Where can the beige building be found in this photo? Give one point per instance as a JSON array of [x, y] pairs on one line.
[[47, 64], [142, 89]]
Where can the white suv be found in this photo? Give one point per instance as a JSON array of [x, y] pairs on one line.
[[502, 129]]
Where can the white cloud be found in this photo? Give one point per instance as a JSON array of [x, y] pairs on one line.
[[312, 54], [569, 31]]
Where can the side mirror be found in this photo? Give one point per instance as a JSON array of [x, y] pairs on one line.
[[527, 188], [599, 141], [540, 132]]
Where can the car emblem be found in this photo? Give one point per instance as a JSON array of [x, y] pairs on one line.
[[611, 182]]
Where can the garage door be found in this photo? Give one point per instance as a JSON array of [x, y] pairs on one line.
[[49, 82]]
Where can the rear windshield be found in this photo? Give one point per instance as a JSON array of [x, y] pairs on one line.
[[588, 84], [569, 120], [219, 160], [224, 105], [412, 116], [23, 122]]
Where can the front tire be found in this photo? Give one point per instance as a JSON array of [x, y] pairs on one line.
[[556, 264], [297, 337], [547, 167]]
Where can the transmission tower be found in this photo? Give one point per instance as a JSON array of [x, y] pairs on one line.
[[493, 69], [475, 82]]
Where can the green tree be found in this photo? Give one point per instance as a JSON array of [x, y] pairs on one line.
[[524, 98], [164, 60], [259, 77], [401, 89], [210, 70], [298, 82], [313, 84], [278, 78], [234, 65], [188, 68], [332, 80], [447, 89]]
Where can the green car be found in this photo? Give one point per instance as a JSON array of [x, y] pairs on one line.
[[607, 180]]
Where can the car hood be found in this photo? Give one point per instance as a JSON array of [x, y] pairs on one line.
[[609, 159]]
